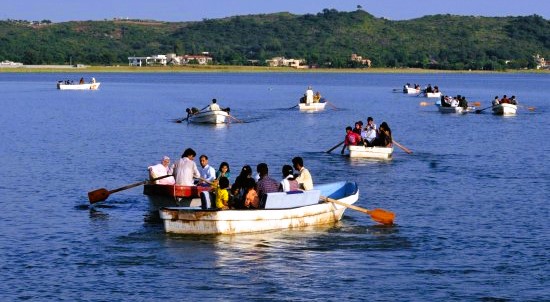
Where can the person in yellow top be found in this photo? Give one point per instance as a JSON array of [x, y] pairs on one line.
[[222, 195], [317, 97]]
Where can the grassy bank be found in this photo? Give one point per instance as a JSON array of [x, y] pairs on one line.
[[237, 69]]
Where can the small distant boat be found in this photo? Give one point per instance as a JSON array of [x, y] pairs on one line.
[[456, 109], [86, 86], [209, 117], [411, 90], [312, 106], [432, 94], [505, 109], [173, 195], [370, 152], [280, 210]]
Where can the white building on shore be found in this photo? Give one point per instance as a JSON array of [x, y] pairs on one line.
[[169, 59]]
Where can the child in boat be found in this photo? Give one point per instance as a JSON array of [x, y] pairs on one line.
[[251, 199], [222, 195], [223, 171]]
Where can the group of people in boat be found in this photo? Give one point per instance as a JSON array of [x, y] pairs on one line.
[[368, 136], [458, 101], [505, 100], [408, 85], [244, 193], [430, 89], [213, 106], [310, 97], [71, 82]]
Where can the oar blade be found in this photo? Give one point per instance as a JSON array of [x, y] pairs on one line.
[[382, 216], [98, 195]]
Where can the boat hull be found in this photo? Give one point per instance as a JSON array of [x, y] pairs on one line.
[[410, 90], [505, 109], [312, 106], [181, 220], [370, 152], [210, 117], [459, 110], [89, 86], [432, 94]]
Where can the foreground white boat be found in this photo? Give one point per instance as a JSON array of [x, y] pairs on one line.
[[432, 94], [370, 152], [280, 211], [86, 86], [505, 109], [209, 117], [456, 109], [312, 106]]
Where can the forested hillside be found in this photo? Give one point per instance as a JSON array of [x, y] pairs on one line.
[[326, 39]]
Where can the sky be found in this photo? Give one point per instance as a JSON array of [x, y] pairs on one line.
[[197, 10]]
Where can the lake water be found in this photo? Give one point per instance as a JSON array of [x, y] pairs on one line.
[[471, 202]]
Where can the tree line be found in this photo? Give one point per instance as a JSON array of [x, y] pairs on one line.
[[326, 39]]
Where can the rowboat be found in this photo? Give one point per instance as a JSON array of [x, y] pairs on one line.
[[505, 109], [209, 117], [370, 152], [411, 90], [456, 109], [432, 94], [86, 86], [312, 106], [280, 210], [173, 195]]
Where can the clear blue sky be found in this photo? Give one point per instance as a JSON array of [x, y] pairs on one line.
[[181, 10]]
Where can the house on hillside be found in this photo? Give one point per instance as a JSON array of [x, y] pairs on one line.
[[541, 62], [282, 62], [360, 60], [147, 61], [170, 59]]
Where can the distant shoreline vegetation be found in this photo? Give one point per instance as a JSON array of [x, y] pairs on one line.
[[326, 40]]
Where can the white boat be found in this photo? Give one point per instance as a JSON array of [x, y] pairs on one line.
[[456, 109], [312, 106], [432, 94], [85, 86], [505, 109], [209, 117], [411, 90], [280, 210], [370, 152], [161, 195]]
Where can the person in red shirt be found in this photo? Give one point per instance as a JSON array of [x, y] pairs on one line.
[[352, 139]]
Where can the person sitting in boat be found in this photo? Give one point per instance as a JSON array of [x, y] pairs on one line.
[[445, 101], [185, 169], [304, 177], [161, 169], [93, 80], [81, 81], [251, 197], [303, 99], [351, 139], [214, 106], [495, 101], [429, 89], [406, 87], [436, 89], [317, 97], [383, 138], [369, 133], [358, 127], [265, 184], [222, 195], [462, 102], [454, 101], [223, 171], [513, 100], [288, 183], [208, 174], [309, 95], [239, 186], [505, 100]]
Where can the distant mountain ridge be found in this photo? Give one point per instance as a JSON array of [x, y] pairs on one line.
[[325, 39]]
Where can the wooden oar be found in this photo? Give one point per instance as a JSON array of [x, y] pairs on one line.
[[475, 104], [480, 110], [330, 150], [102, 194], [426, 103], [402, 147], [329, 103], [236, 119], [379, 215], [293, 107]]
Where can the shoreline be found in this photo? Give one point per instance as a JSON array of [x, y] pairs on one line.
[[242, 69]]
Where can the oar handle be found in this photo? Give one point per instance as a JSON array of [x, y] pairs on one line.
[[338, 145], [137, 184], [366, 211]]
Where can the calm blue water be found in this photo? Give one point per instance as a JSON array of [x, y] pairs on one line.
[[471, 201]]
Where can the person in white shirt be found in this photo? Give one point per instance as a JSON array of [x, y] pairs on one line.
[[309, 95], [304, 179], [369, 133], [206, 171], [185, 169], [214, 106], [162, 169]]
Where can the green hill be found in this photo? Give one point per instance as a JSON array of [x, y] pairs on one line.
[[326, 39]]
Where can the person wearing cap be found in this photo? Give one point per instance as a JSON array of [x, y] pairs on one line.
[[304, 177], [185, 169], [207, 172], [161, 169]]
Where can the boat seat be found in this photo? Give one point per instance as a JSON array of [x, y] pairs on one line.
[[291, 199]]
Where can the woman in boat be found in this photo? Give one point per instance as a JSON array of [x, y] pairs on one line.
[[223, 171], [289, 183], [384, 138], [239, 187]]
